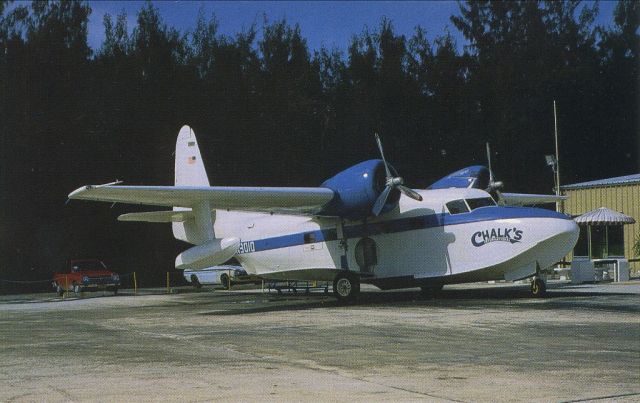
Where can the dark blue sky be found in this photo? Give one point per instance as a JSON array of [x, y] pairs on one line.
[[329, 23]]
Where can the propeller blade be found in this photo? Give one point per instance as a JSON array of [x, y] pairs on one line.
[[494, 186], [391, 183], [386, 166], [410, 192], [381, 201], [489, 163]]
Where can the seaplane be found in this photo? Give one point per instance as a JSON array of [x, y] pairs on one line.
[[361, 226]]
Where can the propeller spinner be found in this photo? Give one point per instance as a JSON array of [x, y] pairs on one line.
[[392, 182]]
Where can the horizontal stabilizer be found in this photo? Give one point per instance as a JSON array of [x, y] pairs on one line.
[[524, 199], [158, 216], [261, 199]]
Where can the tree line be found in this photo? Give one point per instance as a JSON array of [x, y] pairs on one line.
[[270, 111]]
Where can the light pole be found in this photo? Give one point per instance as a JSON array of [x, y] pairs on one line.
[[553, 163]]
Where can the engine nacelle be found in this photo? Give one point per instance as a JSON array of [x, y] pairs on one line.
[[357, 188], [208, 254]]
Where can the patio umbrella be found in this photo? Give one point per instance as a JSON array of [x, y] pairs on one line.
[[604, 216]]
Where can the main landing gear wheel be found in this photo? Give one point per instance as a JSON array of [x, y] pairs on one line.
[[196, 283], [538, 287], [346, 287]]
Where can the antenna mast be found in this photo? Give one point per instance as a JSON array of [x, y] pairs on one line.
[[559, 206]]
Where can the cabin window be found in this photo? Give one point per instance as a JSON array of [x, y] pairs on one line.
[[310, 237], [457, 207], [481, 202]]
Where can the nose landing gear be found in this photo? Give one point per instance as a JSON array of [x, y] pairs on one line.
[[538, 287]]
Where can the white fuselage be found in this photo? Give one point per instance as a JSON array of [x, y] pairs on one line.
[[416, 243]]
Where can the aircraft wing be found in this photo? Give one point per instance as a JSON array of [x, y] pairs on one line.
[[261, 199], [524, 199]]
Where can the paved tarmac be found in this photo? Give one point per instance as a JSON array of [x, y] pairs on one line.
[[472, 343]]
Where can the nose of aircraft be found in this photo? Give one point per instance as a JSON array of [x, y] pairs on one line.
[[561, 236], [552, 235], [569, 230], [561, 227]]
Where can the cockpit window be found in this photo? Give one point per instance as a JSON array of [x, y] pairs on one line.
[[457, 207], [482, 202]]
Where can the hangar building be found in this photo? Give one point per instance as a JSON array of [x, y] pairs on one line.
[[621, 194]]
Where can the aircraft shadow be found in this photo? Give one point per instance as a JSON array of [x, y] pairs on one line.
[[475, 298]]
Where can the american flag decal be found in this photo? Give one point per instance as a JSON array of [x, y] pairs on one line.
[[191, 160]]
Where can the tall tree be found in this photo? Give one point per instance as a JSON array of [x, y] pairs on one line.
[[527, 54], [618, 117], [289, 92]]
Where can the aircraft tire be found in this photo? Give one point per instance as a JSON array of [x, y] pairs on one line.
[[195, 282], [538, 287], [346, 287]]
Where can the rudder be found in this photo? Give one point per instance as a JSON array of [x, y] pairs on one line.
[[190, 171], [189, 167]]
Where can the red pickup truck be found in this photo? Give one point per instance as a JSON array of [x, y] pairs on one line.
[[86, 275]]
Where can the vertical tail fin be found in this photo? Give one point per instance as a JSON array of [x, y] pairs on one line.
[[189, 166], [190, 171]]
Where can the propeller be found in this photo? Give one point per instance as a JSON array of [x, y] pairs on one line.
[[494, 186], [391, 182]]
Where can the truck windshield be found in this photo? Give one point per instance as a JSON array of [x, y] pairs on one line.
[[88, 265]]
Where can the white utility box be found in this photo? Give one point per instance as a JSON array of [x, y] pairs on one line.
[[622, 270], [582, 271]]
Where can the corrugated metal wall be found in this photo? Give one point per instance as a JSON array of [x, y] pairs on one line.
[[622, 198]]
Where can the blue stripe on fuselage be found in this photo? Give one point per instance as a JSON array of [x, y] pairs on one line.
[[285, 241], [407, 224]]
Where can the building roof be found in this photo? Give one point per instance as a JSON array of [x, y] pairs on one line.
[[604, 216], [619, 180]]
